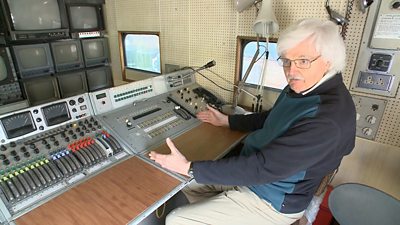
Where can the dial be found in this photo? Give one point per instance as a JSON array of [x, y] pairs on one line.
[[18, 124], [56, 113]]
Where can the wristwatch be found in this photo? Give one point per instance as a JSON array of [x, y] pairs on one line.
[[190, 171]]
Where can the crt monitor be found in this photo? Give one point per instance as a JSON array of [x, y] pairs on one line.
[[7, 72], [95, 51], [85, 15], [33, 60], [34, 19], [41, 90], [99, 78], [67, 55], [72, 83]]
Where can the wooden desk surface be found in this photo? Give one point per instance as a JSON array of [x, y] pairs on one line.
[[116, 196], [119, 194], [204, 142]]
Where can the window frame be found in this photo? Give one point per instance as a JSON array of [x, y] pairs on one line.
[[121, 38], [242, 41]]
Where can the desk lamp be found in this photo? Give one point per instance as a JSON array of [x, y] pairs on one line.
[[264, 25]]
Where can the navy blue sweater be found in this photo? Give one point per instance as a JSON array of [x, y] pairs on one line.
[[291, 147]]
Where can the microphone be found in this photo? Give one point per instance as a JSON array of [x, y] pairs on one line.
[[207, 65]]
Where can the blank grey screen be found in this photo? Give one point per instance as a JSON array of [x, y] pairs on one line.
[[83, 17], [35, 15], [97, 79], [3, 69], [40, 90], [94, 49], [71, 84], [66, 53], [32, 57]]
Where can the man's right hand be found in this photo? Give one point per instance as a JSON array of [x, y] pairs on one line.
[[213, 117]]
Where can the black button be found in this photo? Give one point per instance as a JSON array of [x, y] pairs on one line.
[[3, 148], [12, 144]]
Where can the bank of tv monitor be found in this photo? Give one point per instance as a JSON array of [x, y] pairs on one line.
[[67, 55], [99, 78], [95, 51], [7, 72], [72, 83], [85, 15], [41, 90], [34, 19], [33, 60]]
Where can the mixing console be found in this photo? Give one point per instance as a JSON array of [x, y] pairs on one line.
[[145, 124], [68, 145], [47, 149]]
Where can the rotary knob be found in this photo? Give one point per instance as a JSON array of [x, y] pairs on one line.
[[371, 119], [367, 131]]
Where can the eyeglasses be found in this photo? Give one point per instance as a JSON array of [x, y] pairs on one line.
[[300, 63]]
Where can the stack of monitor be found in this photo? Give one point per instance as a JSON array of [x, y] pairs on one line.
[[48, 63]]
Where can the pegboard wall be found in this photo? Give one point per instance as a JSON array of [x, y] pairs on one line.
[[194, 32]]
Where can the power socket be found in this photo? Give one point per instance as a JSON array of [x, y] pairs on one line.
[[375, 81], [369, 115]]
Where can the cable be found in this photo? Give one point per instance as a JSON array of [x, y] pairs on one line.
[[225, 89], [158, 214]]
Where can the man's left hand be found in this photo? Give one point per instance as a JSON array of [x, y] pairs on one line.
[[174, 161]]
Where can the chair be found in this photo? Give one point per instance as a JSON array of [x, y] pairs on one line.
[[320, 190]]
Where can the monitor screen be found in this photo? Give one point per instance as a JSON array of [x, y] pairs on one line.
[[32, 60], [95, 51], [67, 55], [7, 73], [99, 78], [37, 15], [72, 83], [83, 17], [3, 70], [41, 90]]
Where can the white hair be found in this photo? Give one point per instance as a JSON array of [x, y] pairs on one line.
[[327, 40]]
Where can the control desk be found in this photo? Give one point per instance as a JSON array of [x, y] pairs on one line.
[[49, 149]]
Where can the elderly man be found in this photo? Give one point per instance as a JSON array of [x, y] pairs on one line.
[[291, 147]]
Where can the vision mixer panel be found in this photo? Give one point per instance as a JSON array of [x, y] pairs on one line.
[[47, 149], [145, 124]]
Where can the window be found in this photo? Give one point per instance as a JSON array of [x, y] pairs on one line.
[[274, 76], [142, 52]]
